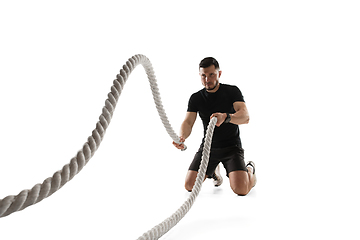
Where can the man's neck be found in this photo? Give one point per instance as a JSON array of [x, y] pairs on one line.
[[215, 89]]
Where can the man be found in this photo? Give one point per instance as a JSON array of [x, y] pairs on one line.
[[227, 104]]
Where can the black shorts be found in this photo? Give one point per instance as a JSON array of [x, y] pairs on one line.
[[231, 157]]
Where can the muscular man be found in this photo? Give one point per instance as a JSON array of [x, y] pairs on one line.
[[227, 104]]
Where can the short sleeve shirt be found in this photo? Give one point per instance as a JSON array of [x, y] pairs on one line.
[[222, 101]]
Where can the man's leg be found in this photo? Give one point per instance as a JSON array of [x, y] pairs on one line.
[[241, 182], [190, 179]]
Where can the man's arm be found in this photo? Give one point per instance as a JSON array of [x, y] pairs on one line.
[[186, 128], [241, 115]]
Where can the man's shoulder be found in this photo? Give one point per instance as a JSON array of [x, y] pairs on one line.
[[233, 92], [198, 93], [228, 86]]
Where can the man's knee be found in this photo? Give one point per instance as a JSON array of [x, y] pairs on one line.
[[188, 186], [241, 191], [239, 182], [190, 180]]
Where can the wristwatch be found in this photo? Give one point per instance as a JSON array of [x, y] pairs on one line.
[[228, 118]]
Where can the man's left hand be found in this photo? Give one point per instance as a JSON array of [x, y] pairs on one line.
[[220, 118]]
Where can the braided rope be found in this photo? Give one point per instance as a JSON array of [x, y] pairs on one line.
[[162, 228], [26, 198]]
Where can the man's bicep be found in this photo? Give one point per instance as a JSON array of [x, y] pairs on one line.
[[239, 106]]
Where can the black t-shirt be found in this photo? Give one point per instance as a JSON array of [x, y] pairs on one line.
[[222, 100]]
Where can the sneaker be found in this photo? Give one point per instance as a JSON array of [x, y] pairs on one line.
[[218, 180], [252, 164]]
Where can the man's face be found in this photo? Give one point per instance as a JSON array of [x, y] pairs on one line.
[[210, 78]]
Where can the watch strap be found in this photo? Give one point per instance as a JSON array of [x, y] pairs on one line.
[[228, 118]]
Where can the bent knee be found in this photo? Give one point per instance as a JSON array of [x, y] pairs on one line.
[[190, 180], [240, 190], [189, 189], [189, 186]]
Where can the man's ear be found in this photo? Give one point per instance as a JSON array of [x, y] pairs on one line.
[[220, 72]]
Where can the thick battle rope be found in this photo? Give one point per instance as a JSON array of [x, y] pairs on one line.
[[162, 228], [26, 198]]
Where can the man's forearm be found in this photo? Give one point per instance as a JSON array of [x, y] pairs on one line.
[[240, 117], [185, 130]]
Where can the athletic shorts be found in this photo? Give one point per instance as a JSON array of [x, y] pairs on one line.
[[232, 159]]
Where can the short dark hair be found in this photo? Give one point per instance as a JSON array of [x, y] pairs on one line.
[[207, 62]]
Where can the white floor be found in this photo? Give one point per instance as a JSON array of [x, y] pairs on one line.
[[119, 205]]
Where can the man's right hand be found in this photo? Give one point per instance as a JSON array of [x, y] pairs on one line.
[[181, 145]]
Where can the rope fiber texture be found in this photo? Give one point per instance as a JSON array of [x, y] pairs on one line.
[[26, 198], [162, 228]]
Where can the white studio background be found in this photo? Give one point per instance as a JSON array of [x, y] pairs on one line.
[[296, 62]]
